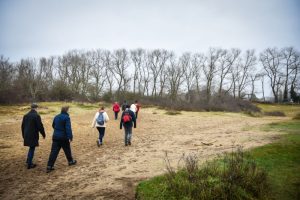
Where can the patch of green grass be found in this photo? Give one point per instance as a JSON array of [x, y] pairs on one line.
[[282, 161], [173, 112], [297, 116], [289, 110]]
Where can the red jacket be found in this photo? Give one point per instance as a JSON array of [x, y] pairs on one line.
[[116, 107]]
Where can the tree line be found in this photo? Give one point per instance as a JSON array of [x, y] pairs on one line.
[[91, 75]]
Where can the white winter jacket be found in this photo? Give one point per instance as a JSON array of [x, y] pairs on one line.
[[106, 119], [133, 108]]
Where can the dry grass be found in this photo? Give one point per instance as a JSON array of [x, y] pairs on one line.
[[113, 170]]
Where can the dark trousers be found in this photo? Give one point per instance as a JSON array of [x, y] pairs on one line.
[[56, 146], [101, 133], [30, 155], [116, 115], [136, 114], [128, 134]]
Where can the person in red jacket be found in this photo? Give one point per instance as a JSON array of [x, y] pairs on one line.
[[138, 106], [116, 109]]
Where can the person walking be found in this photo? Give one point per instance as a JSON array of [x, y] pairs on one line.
[[100, 120], [127, 118], [138, 106], [62, 136], [133, 108], [31, 126], [124, 106], [116, 109]]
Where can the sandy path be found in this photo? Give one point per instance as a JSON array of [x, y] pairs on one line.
[[113, 170]]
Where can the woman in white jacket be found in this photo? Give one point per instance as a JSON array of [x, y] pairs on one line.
[[100, 120]]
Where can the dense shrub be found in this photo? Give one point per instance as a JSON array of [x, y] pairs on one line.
[[297, 116]]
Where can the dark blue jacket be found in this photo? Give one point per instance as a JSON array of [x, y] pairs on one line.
[[128, 124], [62, 127]]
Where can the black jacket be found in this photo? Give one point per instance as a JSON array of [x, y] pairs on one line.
[[128, 124], [31, 126]]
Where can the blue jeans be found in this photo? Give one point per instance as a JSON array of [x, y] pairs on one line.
[[101, 133], [30, 155], [128, 134]]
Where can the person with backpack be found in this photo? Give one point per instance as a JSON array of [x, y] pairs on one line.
[[31, 126], [124, 106], [62, 137], [100, 120], [116, 109], [127, 118], [138, 106]]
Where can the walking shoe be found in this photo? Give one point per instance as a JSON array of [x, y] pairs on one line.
[[126, 144], [129, 143], [49, 169], [98, 143], [73, 162], [31, 166]]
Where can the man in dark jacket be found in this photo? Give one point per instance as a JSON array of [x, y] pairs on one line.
[[31, 126], [62, 136], [127, 118], [124, 105]]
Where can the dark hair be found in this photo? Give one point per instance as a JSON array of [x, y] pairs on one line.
[[136, 101], [34, 105], [65, 109], [127, 106]]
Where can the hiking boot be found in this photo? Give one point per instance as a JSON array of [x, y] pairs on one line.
[[31, 166], [126, 144], [49, 169], [73, 162], [98, 143], [129, 143]]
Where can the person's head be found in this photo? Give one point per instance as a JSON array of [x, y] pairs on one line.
[[34, 106], [128, 106], [125, 101], [65, 109], [136, 101], [102, 108]]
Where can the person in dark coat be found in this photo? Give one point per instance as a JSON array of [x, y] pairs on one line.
[[124, 105], [31, 126], [127, 118], [62, 136]]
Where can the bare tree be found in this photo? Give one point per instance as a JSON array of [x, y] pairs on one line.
[[227, 59], [244, 68], [198, 61], [289, 60], [175, 77], [157, 59], [108, 70], [189, 72], [119, 68], [138, 59], [210, 69], [271, 59]]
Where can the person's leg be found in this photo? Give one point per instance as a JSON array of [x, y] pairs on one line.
[[126, 132], [102, 132], [67, 149], [116, 115], [54, 153], [129, 135], [30, 156], [136, 115], [99, 140]]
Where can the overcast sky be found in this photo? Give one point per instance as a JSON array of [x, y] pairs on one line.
[[35, 28]]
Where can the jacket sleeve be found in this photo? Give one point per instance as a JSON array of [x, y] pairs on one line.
[[69, 129], [106, 117], [40, 126], [22, 127], [133, 119]]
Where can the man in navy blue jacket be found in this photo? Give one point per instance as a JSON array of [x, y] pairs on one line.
[[127, 118], [62, 136]]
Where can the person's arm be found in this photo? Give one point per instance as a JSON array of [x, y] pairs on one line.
[[106, 117], [133, 119], [69, 129], [53, 123], [22, 126], [121, 121], [41, 126]]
